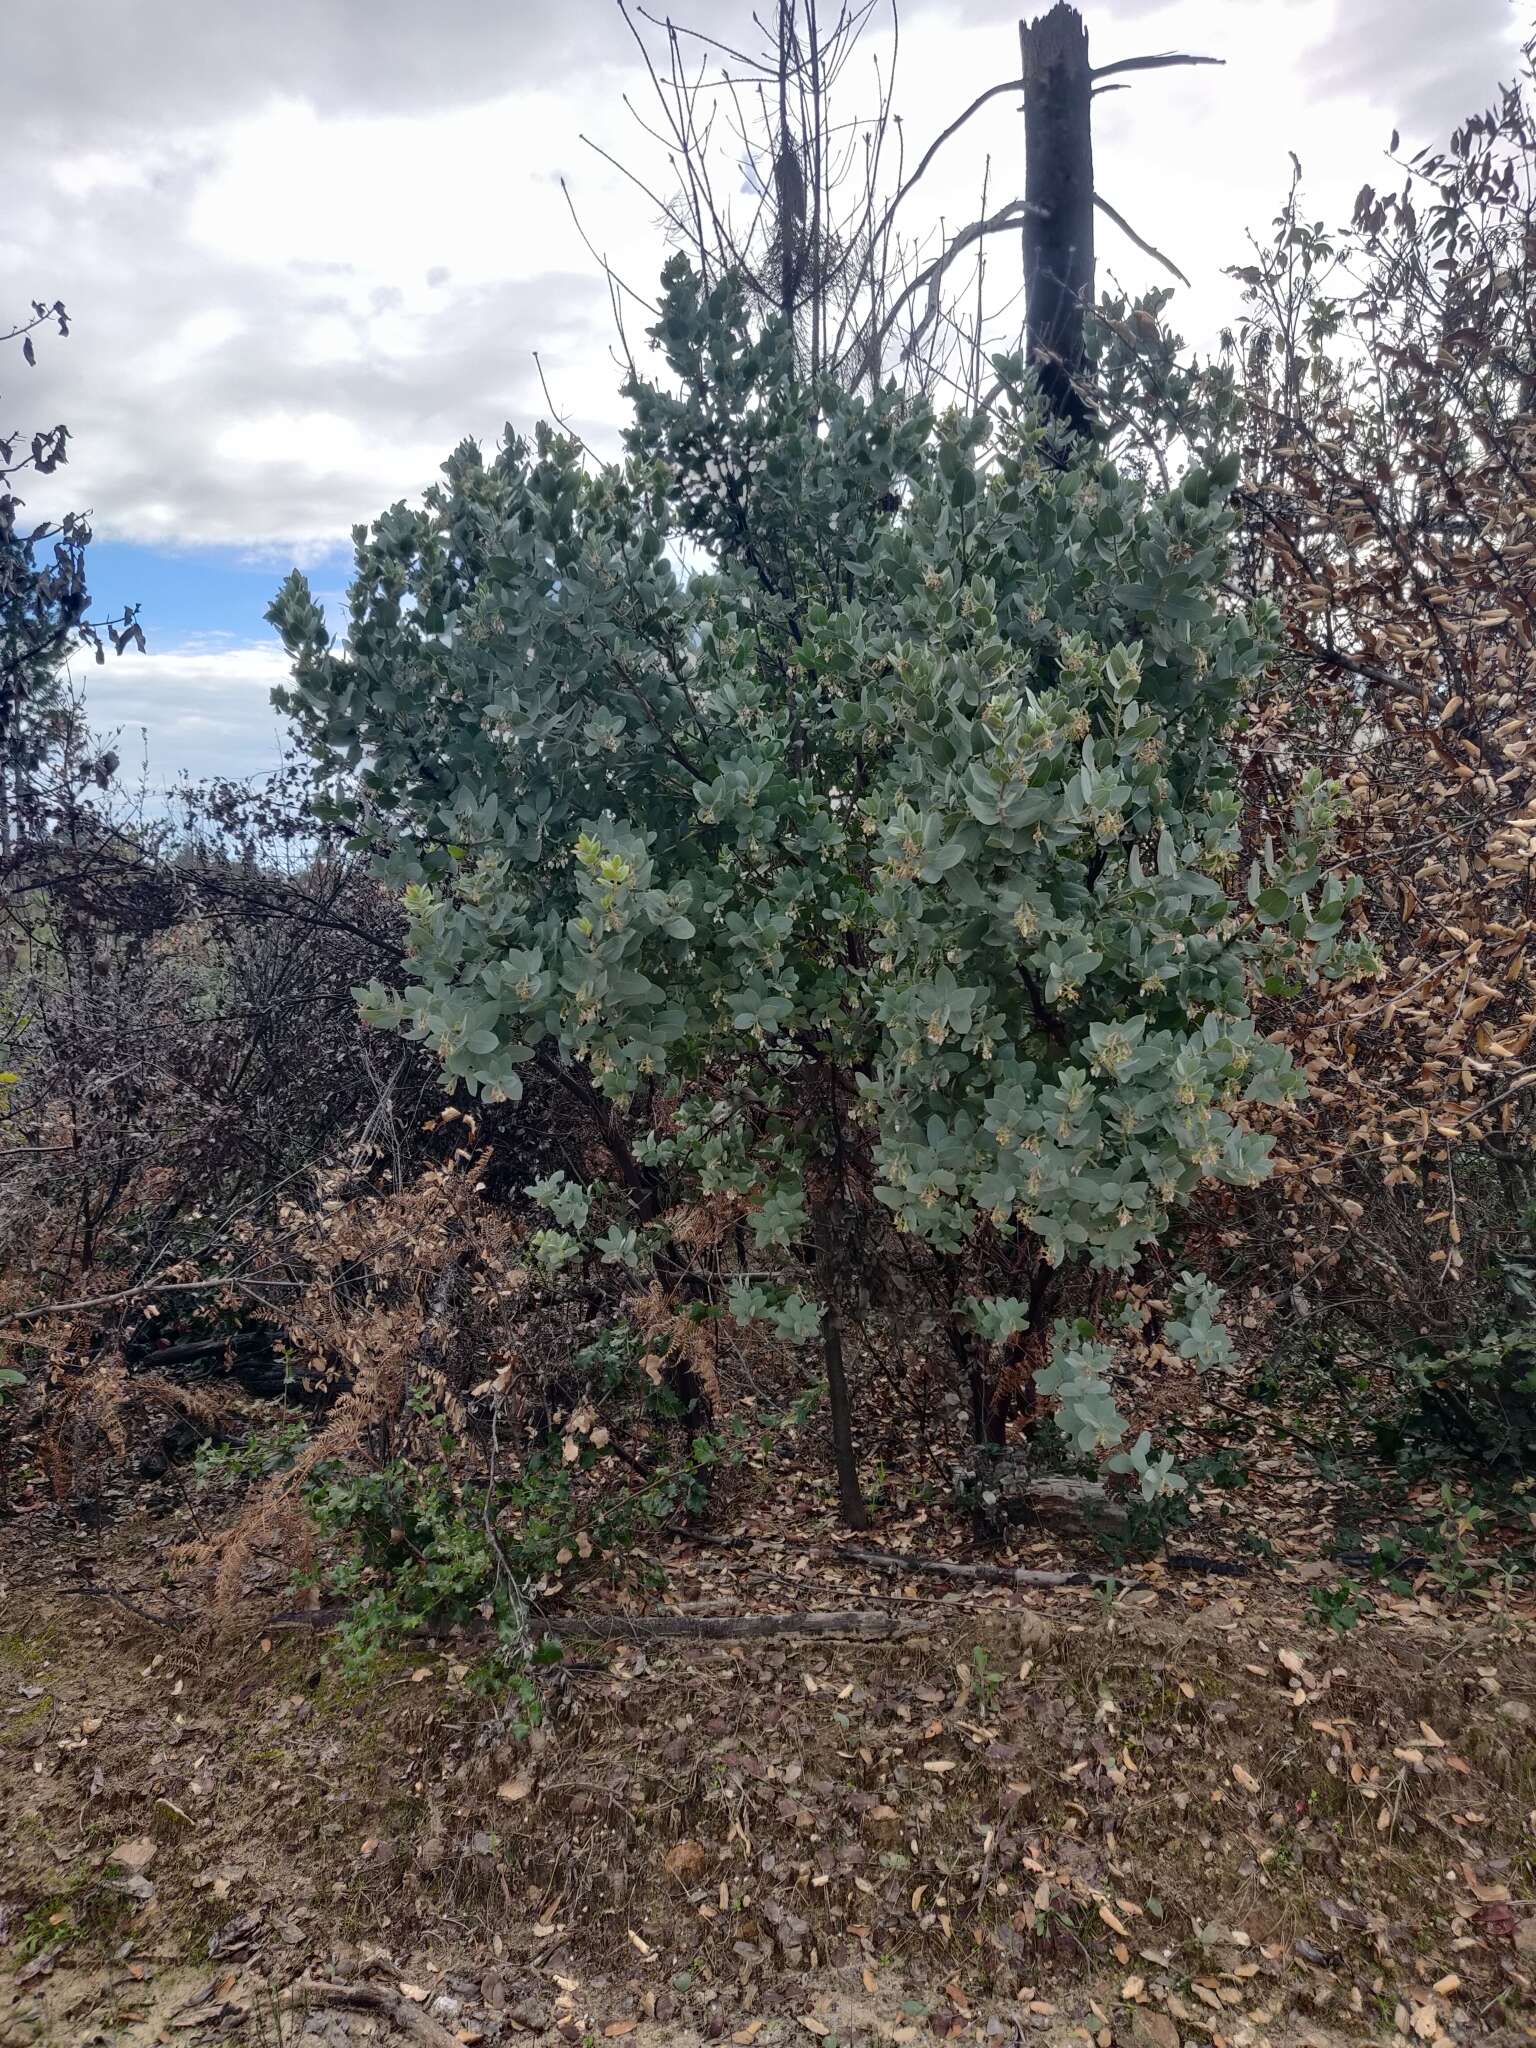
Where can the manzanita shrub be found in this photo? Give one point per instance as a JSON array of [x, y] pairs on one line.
[[845, 792]]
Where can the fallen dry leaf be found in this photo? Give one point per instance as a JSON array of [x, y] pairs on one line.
[[1154, 2030], [1487, 1894], [686, 1861]]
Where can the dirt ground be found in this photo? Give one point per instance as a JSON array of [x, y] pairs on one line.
[[1172, 1809]]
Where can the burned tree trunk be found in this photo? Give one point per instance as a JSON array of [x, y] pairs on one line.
[[1058, 194], [850, 1497]]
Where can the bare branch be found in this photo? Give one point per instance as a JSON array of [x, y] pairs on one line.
[[155, 1287], [1145, 246], [602, 261], [672, 29], [991, 93], [639, 183], [1010, 216], [1162, 63]]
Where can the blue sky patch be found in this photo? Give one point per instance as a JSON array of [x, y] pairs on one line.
[[200, 599]]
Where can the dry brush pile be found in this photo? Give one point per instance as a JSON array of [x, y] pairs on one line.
[[1388, 374]]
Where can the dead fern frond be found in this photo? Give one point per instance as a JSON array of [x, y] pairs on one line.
[[672, 1337], [702, 1226]]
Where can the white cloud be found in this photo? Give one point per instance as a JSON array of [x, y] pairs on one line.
[[1424, 63], [293, 297], [195, 710], [312, 244], [121, 69]]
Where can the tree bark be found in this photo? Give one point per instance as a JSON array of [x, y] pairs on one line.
[[640, 1628], [988, 1430], [1058, 191], [311, 1994], [727, 1628], [850, 1497], [947, 1568], [1010, 1575]]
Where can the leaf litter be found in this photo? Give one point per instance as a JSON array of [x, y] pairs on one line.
[[1073, 1817]]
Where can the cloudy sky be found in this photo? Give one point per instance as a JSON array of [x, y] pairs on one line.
[[308, 245]]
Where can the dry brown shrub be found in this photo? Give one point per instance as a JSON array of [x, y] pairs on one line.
[[1390, 512], [93, 1422], [384, 1310]]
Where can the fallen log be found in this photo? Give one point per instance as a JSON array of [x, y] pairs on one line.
[[869, 1622], [1020, 1575], [248, 1358], [141, 1357], [955, 1568], [310, 1993], [946, 1568], [853, 1621]]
